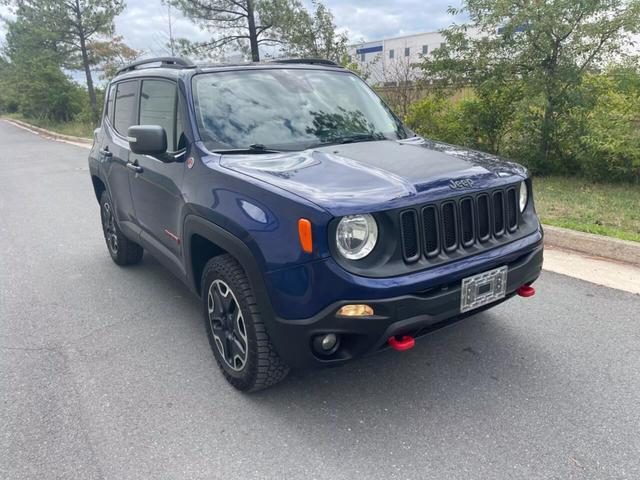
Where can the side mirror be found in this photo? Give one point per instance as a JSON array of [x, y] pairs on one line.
[[147, 139]]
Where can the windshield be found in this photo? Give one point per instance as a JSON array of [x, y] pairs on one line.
[[288, 109]]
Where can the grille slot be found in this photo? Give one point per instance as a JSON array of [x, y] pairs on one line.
[[466, 222], [484, 219], [409, 233], [430, 229], [449, 226], [498, 213], [512, 210]]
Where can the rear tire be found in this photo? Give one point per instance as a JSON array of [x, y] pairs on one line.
[[237, 334], [122, 250]]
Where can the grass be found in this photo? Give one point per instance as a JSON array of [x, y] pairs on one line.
[[75, 129], [602, 208]]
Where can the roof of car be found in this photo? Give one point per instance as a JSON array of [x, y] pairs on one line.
[[174, 67]]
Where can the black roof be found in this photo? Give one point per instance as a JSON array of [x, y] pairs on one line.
[[178, 63]]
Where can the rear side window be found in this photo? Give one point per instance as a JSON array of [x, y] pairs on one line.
[[158, 106], [108, 111], [124, 107]]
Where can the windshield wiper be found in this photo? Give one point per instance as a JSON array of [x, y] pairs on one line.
[[356, 137], [254, 148], [359, 137]]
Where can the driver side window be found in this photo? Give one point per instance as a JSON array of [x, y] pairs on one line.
[[159, 106]]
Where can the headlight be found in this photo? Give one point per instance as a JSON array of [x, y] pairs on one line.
[[524, 196], [356, 236]]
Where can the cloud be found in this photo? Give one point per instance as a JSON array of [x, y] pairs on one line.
[[144, 23], [378, 19], [145, 26]]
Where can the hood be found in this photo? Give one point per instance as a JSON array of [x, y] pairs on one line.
[[374, 176]]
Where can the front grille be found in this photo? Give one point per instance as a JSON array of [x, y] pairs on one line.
[[460, 225]]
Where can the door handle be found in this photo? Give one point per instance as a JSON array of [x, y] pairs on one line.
[[134, 167], [106, 153]]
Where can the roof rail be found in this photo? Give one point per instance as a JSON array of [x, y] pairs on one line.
[[312, 61], [167, 62]]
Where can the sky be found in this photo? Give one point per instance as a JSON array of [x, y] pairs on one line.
[[144, 23]]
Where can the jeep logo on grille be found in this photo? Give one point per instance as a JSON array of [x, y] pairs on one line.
[[459, 184]]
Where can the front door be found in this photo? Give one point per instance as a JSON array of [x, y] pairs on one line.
[[120, 112], [156, 187]]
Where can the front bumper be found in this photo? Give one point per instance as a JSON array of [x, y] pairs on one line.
[[412, 314]]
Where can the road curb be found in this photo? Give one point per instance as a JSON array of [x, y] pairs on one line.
[[49, 133], [594, 245]]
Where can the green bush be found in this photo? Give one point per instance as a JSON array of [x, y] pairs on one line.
[[610, 144], [597, 136], [440, 118]]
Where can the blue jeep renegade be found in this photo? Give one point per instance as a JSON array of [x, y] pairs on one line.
[[314, 226]]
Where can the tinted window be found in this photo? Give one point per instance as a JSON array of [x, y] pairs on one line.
[[407, 51], [108, 111], [158, 101], [288, 109], [125, 106], [391, 52]]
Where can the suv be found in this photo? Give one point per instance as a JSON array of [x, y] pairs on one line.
[[314, 227]]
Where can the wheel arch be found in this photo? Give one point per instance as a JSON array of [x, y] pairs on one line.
[[98, 186], [204, 240]]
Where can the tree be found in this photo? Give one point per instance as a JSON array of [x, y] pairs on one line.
[[544, 48], [245, 24], [314, 35], [166, 39], [401, 84], [79, 27], [31, 80], [249, 24], [109, 55]]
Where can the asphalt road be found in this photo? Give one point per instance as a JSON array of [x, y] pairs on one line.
[[105, 372]]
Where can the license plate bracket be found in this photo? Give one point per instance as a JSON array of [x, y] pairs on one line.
[[483, 288]]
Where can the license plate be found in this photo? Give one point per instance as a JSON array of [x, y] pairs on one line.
[[483, 288]]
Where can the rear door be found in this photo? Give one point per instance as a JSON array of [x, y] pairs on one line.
[[121, 113], [156, 188]]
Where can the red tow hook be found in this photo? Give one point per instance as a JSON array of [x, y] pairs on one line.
[[526, 291], [401, 343]]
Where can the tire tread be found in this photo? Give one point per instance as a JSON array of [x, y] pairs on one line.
[[269, 367]]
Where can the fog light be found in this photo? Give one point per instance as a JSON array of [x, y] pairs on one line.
[[326, 344], [357, 310]]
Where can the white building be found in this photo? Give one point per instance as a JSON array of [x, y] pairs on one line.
[[390, 60]]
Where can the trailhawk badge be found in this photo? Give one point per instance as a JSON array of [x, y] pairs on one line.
[[459, 184]]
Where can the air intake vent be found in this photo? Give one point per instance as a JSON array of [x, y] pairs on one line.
[[449, 226], [409, 233], [466, 221], [512, 210], [430, 223], [484, 219], [498, 213]]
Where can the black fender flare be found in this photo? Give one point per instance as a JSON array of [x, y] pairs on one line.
[[234, 246]]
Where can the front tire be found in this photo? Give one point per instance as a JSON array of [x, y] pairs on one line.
[[122, 250], [237, 334]]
